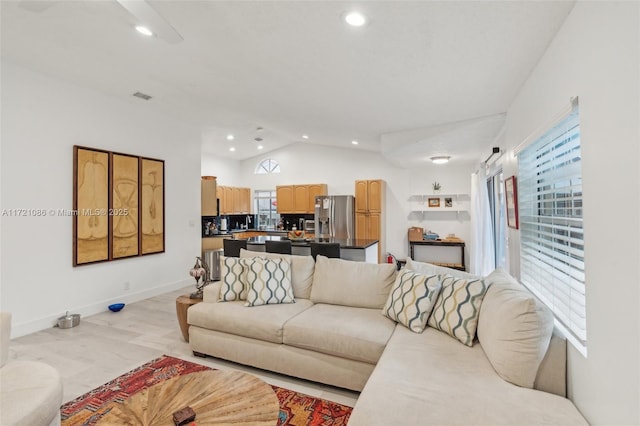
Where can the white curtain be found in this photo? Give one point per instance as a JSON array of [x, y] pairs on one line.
[[481, 252]]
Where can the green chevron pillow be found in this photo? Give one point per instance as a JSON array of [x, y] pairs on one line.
[[269, 281], [233, 285], [457, 308], [412, 298]]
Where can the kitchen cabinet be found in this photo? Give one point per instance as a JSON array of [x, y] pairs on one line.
[[208, 195], [299, 199], [234, 200], [369, 211]]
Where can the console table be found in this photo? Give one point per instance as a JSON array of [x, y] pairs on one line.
[[435, 243]]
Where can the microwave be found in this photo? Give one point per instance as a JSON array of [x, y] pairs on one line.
[[309, 226]]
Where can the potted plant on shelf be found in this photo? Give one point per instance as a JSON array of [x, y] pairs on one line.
[[436, 187]]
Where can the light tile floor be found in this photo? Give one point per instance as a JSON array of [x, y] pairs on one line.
[[109, 344]]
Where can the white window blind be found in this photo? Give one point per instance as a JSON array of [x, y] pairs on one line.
[[550, 209]]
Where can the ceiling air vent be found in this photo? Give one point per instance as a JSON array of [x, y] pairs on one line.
[[142, 96]]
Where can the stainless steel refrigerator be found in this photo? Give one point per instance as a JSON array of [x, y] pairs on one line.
[[334, 216]]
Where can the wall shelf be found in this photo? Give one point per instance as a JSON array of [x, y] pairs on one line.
[[460, 203]]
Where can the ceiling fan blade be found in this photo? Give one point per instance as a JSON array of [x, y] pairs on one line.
[[36, 6], [147, 16]]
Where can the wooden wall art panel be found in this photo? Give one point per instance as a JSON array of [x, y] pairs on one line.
[[152, 206], [90, 204], [124, 206]]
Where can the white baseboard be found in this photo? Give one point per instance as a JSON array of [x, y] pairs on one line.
[[18, 330]]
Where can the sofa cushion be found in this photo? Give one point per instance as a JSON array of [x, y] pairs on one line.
[[349, 283], [457, 308], [412, 298], [359, 334], [431, 269], [514, 329], [302, 268], [260, 322], [430, 379], [269, 281], [233, 279]]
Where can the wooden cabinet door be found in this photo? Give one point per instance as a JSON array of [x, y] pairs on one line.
[[220, 195], [315, 190], [361, 225], [300, 199], [362, 195], [228, 200], [375, 190], [245, 201], [374, 226], [208, 197], [284, 197], [236, 200]]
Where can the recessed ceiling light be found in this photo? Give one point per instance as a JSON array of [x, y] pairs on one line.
[[354, 142], [355, 19], [233, 148], [442, 159], [260, 147], [230, 137], [305, 136], [144, 30]]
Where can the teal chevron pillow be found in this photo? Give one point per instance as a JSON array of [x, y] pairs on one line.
[[269, 281], [412, 298], [233, 284], [457, 308]]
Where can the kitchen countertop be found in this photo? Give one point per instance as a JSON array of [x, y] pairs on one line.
[[237, 231], [345, 243]]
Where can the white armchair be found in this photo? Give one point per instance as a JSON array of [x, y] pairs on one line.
[[30, 391]]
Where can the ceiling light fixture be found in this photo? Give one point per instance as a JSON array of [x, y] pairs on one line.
[[260, 147], [305, 136], [232, 149], [354, 142], [144, 30], [230, 137], [355, 19], [441, 159]]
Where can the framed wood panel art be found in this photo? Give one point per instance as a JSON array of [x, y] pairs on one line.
[[434, 202], [90, 204], [151, 206], [124, 206], [511, 195]]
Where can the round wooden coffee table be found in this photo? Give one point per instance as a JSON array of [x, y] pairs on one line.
[[217, 397]]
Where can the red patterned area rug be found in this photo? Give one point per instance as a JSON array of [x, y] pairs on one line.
[[295, 408]]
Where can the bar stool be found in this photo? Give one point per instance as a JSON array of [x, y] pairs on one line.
[[325, 249], [282, 247], [232, 247]]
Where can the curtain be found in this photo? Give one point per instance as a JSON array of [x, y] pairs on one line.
[[481, 252]]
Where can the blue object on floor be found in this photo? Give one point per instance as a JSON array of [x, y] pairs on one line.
[[116, 307]]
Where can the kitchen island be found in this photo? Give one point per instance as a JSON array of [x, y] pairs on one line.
[[360, 250]]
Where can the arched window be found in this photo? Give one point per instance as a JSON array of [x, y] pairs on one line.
[[267, 166]]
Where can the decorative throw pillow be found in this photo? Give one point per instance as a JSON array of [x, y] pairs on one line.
[[412, 298], [457, 308], [233, 284], [269, 281]]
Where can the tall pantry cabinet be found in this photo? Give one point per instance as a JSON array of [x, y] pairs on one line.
[[369, 211]]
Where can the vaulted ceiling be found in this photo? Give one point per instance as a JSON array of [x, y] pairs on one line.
[[420, 78]]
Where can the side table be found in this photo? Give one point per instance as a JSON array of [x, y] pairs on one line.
[[182, 305]]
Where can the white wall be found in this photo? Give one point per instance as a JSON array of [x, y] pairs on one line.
[[339, 168], [226, 170], [42, 118], [595, 56]]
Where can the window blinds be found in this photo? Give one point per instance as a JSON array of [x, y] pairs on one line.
[[550, 209]]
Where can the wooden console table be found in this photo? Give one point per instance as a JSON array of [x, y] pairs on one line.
[[182, 305], [460, 266]]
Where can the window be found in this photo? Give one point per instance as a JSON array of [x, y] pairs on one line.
[[265, 205], [551, 237], [495, 187], [267, 166]]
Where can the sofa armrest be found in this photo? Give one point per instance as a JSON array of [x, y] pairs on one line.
[[211, 293]]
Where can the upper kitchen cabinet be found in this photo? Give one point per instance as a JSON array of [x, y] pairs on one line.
[[208, 189], [369, 195], [234, 200], [299, 199]]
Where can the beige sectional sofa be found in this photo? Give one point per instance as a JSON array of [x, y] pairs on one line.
[[336, 333]]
